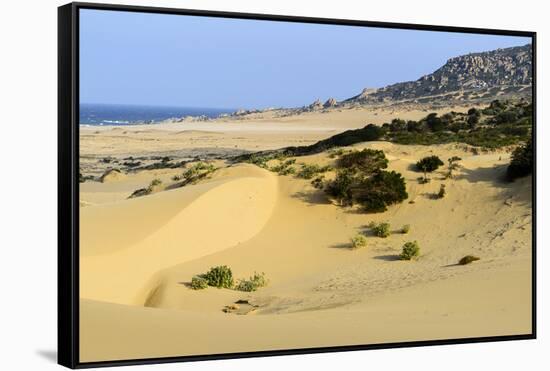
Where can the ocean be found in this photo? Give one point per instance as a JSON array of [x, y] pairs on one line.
[[111, 114]]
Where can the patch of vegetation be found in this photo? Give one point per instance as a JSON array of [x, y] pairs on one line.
[[429, 164], [284, 167], [220, 277], [500, 124], [468, 259], [405, 229], [308, 171], [195, 172], [452, 166], [319, 182], [380, 230], [199, 283], [381, 190], [410, 251], [360, 179], [341, 188], [358, 241], [367, 161], [521, 163], [253, 283], [148, 190]]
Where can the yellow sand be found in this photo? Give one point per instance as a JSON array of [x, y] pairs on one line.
[[138, 256]]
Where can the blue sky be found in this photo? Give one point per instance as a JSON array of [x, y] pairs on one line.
[[184, 61]]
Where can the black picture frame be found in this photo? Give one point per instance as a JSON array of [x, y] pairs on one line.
[[68, 184]]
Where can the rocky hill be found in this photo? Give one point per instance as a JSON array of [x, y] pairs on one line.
[[488, 73]]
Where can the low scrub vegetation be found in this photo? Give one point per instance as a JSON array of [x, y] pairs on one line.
[[381, 230], [410, 250], [358, 241], [284, 167], [452, 165], [308, 171], [360, 179], [222, 277], [405, 229], [154, 185], [367, 161], [194, 173], [253, 283], [521, 163], [199, 283], [468, 259]]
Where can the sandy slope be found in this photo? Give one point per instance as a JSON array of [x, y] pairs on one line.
[[140, 254], [151, 233]]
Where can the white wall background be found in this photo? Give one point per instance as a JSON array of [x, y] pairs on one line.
[[28, 62]]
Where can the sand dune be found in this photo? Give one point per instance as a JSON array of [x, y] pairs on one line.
[[138, 255], [151, 233]]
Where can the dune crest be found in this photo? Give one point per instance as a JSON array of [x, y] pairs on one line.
[[158, 231]]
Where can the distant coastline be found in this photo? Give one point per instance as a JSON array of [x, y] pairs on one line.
[[120, 115]]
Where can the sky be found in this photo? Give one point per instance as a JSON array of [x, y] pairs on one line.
[[189, 61]]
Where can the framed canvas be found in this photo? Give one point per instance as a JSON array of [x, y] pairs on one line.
[[240, 185]]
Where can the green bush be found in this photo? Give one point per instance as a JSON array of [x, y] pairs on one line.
[[381, 230], [406, 229], [468, 259], [155, 182], [199, 283], [341, 187], [220, 277], [429, 164], [368, 160], [452, 166], [284, 167], [308, 171], [358, 241], [195, 173], [521, 163], [410, 251], [318, 183], [379, 191], [253, 283]]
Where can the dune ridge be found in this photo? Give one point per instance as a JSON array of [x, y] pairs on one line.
[[151, 233]]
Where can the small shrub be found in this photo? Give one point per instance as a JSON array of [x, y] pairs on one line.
[[155, 182], [284, 167], [452, 166], [195, 173], [441, 192], [318, 183], [341, 187], [220, 277], [367, 160], [521, 163], [379, 191], [358, 241], [308, 171], [199, 283], [253, 283], [406, 228], [468, 259], [410, 250], [381, 230], [429, 164]]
